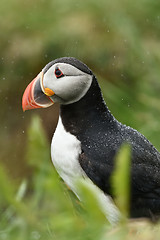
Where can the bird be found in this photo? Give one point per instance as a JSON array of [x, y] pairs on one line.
[[88, 137]]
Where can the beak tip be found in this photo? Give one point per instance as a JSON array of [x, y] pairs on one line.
[[27, 99], [24, 102], [23, 108]]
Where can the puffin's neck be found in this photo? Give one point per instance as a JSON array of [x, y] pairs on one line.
[[87, 112]]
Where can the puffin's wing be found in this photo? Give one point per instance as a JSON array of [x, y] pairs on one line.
[[145, 182], [99, 172], [145, 189]]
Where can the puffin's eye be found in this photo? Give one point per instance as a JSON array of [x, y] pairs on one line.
[[58, 73]]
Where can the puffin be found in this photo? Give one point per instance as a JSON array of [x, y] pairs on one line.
[[88, 137]]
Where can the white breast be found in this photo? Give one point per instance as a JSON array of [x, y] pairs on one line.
[[65, 150]]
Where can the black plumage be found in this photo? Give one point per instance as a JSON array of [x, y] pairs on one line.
[[101, 136]]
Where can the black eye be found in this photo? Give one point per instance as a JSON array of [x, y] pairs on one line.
[[58, 73]]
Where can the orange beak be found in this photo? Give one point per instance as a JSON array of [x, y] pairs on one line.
[[34, 97]]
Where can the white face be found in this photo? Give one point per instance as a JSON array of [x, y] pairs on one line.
[[70, 87]]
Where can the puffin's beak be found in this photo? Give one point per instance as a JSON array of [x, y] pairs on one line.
[[35, 96]]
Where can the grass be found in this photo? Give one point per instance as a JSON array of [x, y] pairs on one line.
[[42, 207]]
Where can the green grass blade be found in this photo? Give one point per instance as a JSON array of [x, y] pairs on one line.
[[120, 179]]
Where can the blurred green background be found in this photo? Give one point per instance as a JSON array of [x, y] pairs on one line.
[[119, 40]]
